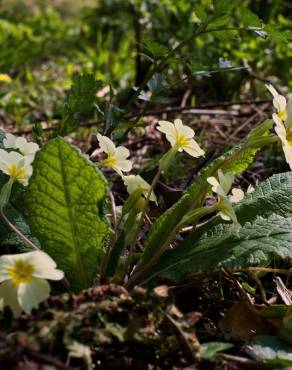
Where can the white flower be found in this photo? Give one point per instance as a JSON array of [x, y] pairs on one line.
[[22, 277], [16, 166], [285, 134], [20, 143], [134, 182], [222, 188], [180, 137], [279, 102], [116, 156]]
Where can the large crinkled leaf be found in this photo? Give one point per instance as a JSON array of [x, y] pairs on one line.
[[266, 219], [235, 160], [255, 243], [65, 205]]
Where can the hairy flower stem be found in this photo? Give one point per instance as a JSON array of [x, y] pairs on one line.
[[140, 223], [142, 269], [18, 232]]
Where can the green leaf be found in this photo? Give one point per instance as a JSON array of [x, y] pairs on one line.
[[211, 349], [113, 117], [2, 137], [266, 219], [65, 205], [81, 100], [224, 6], [157, 50], [272, 350], [254, 243], [273, 196], [248, 18], [235, 160]]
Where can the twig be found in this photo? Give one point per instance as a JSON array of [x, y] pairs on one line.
[[250, 364], [201, 110]]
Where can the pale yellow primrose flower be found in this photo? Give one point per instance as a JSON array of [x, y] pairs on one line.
[[180, 137], [279, 102], [16, 166], [116, 156], [25, 148], [222, 188], [134, 182], [285, 134], [23, 280], [5, 78]]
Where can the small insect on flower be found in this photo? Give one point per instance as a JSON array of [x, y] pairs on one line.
[[134, 182], [279, 102], [116, 156], [23, 280], [25, 148], [16, 166], [222, 188], [181, 137]]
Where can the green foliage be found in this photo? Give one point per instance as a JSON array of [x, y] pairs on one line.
[[210, 350], [236, 160], [65, 210], [81, 100], [272, 350], [266, 220]]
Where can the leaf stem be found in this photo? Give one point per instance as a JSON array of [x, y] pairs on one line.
[[18, 232]]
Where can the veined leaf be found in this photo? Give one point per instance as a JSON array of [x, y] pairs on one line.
[[255, 243], [81, 99], [235, 160], [65, 203], [266, 219]]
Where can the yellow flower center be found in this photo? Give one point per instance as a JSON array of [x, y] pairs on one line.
[[21, 272], [181, 141], [110, 161], [282, 115], [16, 173]]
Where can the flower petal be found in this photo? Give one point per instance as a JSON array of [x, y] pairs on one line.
[[193, 149], [287, 149], [121, 152], [44, 266], [9, 141], [237, 195], [167, 128], [8, 292], [106, 145], [225, 180], [25, 147], [31, 295], [123, 165], [183, 130], [216, 187]]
